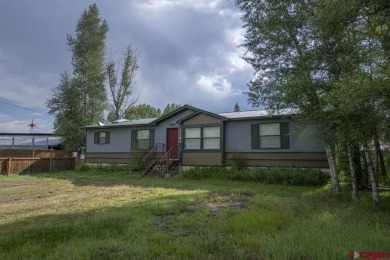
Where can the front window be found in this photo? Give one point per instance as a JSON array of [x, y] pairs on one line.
[[102, 137], [202, 138], [192, 138], [270, 135], [211, 137], [143, 139]]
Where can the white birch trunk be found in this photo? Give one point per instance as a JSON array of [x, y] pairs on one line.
[[353, 172], [370, 166], [330, 153]]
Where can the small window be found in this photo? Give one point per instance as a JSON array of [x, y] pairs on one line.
[[270, 136], [142, 139], [102, 137]]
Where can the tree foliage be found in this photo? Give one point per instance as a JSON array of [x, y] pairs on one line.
[[81, 100], [171, 107], [329, 59], [142, 111], [122, 93], [147, 111]]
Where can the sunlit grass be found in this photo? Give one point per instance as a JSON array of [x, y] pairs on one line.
[[100, 215]]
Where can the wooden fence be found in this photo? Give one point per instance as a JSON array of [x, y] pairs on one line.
[[30, 165]]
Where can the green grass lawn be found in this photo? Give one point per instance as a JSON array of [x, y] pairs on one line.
[[96, 215]]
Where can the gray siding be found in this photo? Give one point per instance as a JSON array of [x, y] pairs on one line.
[[120, 140], [302, 138], [161, 128]]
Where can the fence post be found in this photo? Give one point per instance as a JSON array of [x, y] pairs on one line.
[[33, 146], [9, 165], [50, 161]]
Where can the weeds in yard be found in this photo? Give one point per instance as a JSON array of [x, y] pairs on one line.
[[305, 177], [95, 215]]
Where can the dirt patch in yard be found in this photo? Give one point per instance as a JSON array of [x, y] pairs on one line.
[[12, 184], [217, 201]]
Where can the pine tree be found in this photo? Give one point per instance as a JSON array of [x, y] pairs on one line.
[[237, 108]]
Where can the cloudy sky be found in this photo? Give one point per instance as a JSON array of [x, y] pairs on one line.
[[188, 53]]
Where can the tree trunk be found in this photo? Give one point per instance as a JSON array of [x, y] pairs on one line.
[[365, 170], [379, 156], [370, 167], [353, 171], [330, 153], [357, 164]]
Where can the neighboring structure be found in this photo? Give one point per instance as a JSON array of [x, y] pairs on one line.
[[200, 138], [37, 141]]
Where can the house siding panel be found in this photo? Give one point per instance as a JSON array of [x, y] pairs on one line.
[[282, 159], [119, 141], [301, 138], [111, 157], [202, 119], [201, 159]]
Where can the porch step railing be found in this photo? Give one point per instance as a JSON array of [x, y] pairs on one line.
[[160, 165], [147, 163], [167, 162]]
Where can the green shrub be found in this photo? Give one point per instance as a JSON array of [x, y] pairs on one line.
[[291, 176], [200, 173], [238, 161], [84, 168], [109, 168], [137, 156], [285, 176]]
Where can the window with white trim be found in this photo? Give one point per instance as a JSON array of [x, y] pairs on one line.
[[102, 137], [270, 136], [202, 138], [143, 139], [192, 138], [211, 137]]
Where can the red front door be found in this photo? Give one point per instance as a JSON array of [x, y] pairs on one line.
[[173, 140]]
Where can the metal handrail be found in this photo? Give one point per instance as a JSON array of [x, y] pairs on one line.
[[167, 157], [152, 151]]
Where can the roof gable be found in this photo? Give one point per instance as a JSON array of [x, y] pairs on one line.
[[174, 113], [202, 112]]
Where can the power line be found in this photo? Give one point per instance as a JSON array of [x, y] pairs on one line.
[[21, 107]]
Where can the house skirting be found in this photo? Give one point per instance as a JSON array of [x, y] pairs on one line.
[[282, 159], [252, 159]]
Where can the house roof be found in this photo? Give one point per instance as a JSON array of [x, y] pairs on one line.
[[253, 114], [258, 113], [121, 123]]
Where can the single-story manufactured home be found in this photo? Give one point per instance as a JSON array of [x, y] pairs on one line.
[[196, 137]]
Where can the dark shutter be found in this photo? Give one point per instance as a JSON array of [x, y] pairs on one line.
[[255, 136], [96, 138], [133, 139], [284, 135], [151, 138], [107, 137]]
